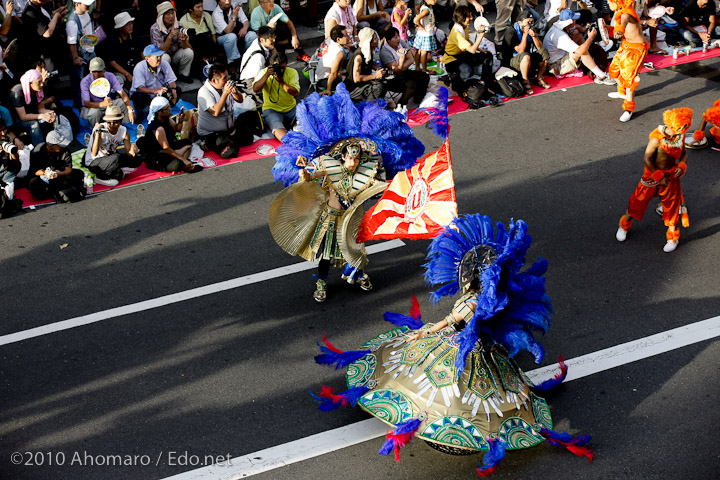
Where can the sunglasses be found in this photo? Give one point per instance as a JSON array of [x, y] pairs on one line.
[[114, 122]]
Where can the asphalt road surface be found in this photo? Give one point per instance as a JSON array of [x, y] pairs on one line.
[[228, 373]]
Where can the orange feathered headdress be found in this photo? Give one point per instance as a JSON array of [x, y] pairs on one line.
[[717, 103], [712, 115], [679, 119]]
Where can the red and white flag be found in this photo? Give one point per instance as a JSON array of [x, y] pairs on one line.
[[418, 203]]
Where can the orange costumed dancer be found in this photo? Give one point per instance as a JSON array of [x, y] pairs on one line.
[[711, 116], [629, 58], [665, 162]]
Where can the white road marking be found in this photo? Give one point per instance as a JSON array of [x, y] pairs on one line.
[[332, 440], [177, 297]]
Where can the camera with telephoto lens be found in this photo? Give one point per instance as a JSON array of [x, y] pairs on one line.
[[10, 148], [278, 69], [188, 32]]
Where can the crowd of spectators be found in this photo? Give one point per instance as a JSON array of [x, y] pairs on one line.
[[128, 61]]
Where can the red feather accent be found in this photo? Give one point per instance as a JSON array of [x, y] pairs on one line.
[[486, 472], [330, 345], [563, 368], [414, 308], [581, 451], [399, 440], [329, 393]]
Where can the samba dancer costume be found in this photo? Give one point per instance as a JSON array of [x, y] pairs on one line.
[[454, 384], [663, 182], [340, 154], [711, 116]]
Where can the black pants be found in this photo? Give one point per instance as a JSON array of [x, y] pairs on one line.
[[43, 190], [411, 84], [110, 166]]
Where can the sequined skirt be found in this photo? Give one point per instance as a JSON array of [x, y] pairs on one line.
[[491, 397]]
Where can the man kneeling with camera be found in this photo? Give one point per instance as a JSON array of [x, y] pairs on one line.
[[280, 85], [103, 157], [223, 134]]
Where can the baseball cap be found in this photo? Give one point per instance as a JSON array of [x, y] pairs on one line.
[[54, 138], [122, 19], [567, 14], [153, 51], [96, 65]]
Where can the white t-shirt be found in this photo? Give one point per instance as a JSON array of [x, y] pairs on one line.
[[108, 143], [219, 19], [252, 63], [71, 29], [327, 54], [558, 43]]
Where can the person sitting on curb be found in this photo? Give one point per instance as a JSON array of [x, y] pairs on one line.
[[280, 85], [102, 156], [152, 77], [565, 52], [94, 106], [528, 54], [264, 15], [216, 100], [165, 34], [54, 176], [258, 55], [161, 149], [332, 56], [123, 50], [232, 27]]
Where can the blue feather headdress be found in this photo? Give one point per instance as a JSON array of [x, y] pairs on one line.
[[325, 120], [512, 304]]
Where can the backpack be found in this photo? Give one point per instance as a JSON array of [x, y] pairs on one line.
[[473, 92], [511, 87]]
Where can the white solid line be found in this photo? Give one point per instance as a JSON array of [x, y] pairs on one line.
[[332, 440], [177, 297]]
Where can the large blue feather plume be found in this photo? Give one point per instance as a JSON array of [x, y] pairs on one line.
[[325, 120], [512, 304]]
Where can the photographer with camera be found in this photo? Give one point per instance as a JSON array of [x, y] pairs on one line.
[[52, 172], [280, 85], [152, 77], [103, 157], [9, 167], [565, 52], [216, 125], [233, 26], [527, 53], [168, 35], [93, 105]]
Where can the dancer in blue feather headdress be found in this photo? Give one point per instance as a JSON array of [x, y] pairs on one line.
[[454, 383], [336, 159]]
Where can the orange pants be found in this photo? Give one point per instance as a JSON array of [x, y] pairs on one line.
[[670, 196], [625, 67]]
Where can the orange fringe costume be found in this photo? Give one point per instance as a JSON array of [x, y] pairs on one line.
[[711, 116], [629, 58], [671, 194]]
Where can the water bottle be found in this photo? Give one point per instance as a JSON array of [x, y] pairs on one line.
[[705, 47], [88, 182], [675, 53]]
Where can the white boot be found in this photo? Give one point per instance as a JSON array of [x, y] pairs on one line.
[[626, 116], [616, 95], [621, 234], [670, 246]]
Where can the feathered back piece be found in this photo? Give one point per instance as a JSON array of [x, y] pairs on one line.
[[325, 120], [470, 253]]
